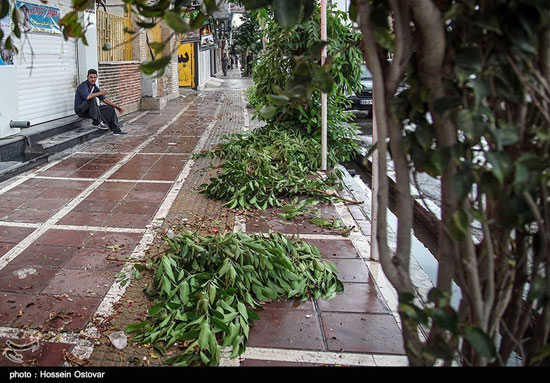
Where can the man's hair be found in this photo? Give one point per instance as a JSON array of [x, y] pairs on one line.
[[92, 71]]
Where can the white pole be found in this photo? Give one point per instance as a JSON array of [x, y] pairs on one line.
[[374, 186], [323, 95]]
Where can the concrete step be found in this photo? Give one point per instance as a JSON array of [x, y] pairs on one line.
[[32, 147], [69, 139], [9, 169]]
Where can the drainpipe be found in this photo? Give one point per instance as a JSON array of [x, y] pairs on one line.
[[324, 95]]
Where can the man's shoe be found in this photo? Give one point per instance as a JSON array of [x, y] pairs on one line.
[[119, 132], [103, 126]]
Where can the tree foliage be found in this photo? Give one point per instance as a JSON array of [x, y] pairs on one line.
[[474, 114], [247, 37], [289, 78]]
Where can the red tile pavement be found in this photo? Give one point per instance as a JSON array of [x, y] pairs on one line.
[[28, 281], [287, 328], [138, 221], [83, 283], [84, 218], [366, 333], [47, 354], [357, 298], [335, 248], [14, 234], [55, 313], [44, 255]]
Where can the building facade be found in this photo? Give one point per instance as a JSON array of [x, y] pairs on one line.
[[38, 83]]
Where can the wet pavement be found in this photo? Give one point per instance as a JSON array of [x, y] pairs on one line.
[[70, 230]]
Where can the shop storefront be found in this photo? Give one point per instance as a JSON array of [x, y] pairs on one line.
[[44, 73]]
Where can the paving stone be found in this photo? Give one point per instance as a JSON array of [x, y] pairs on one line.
[[5, 247], [75, 238], [127, 175], [88, 205], [284, 303], [12, 201], [287, 328], [47, 354], [367, 333], [53, 313], [42, 203], [44, 255], [138, 221], [97, 259], [275, 363], [264, 225], [356, 298], [83, 283], [127, 186], [104, 240], [145, 196], [30, 281], [57, 192], [30, 215], [107, 195], [335, 248], [351, 270], [12, 304], [137, 207], [84, 218]]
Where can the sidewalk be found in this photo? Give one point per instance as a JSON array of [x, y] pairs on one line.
[[67, 228]]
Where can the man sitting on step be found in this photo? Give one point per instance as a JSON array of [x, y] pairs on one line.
[[86, 105]]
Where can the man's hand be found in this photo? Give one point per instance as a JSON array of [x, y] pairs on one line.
[[119, 109]]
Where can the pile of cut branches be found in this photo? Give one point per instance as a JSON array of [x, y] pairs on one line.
[[261, 168], [206, 289]]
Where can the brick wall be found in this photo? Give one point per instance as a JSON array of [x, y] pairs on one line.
[[122, 81]]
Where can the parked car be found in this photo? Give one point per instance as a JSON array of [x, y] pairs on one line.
[[363, 99]]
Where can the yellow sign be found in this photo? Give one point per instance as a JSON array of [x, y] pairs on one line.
[[186, 65]]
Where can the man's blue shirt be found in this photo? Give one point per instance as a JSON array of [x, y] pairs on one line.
[[82, 93]]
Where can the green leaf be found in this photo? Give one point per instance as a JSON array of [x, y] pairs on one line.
[[480, 341], [198, 21], [537, 289], [175, 21], [4, 8], [446, 318], [135, 327], [242, 310], [542, 354], [287, 12], [460, 224], [168, 268], [469, 59], [155, 66], [204, 336], [276, 99], [465, 123], [268, 112], [501, 165], [255, 4]]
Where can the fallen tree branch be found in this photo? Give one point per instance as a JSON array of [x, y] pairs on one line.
[[335, 195]]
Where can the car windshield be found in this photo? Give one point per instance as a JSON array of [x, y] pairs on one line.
[[365, 74]]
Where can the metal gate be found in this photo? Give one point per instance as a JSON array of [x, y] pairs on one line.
[[46, 77]]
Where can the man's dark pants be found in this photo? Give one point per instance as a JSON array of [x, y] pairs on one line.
[[105, 113]]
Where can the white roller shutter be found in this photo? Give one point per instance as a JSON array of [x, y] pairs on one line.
[[46, 77], [204, 67]]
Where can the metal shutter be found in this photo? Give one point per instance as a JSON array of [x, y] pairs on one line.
[[46, 81]]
